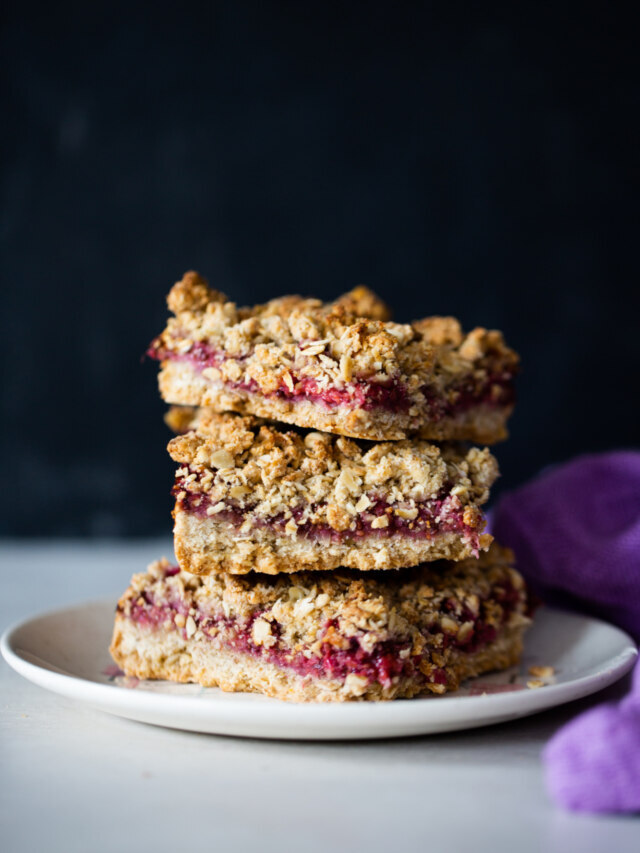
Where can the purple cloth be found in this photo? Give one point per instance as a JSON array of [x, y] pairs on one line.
[[576, 534]]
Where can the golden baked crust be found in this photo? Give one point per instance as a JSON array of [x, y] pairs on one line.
[[252, 495], [342, 367], [446, 621]]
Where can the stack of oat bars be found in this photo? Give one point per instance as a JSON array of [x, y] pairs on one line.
[[328, 549]]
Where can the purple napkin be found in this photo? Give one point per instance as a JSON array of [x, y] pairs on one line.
[[576, 534]]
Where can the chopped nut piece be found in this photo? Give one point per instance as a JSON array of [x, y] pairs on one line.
[[316, 349], [534, 683], [473, 604], [190, 626], [288, 381], [307, 345], [380, 522], [408, 513], [238, 492], [363, 504], [216, 508], [542, 671], [449, 626], [303, 607], [212, 373], [291, 527], [315, 440], [346, 367], [221, 459], [425, 591], [464, 632], [347, 483], [260, 631]]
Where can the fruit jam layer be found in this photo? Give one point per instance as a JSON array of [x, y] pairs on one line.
[[442, 514], [339, 656], [493, 390]]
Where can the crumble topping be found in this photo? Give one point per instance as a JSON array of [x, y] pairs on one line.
[[241, 463]]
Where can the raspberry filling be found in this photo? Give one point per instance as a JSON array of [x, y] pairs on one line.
[[338, 656], [441, 514], [493, 390]]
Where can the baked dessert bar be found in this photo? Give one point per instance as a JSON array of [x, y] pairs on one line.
[[332, 637], [257, 496], [340, 367]]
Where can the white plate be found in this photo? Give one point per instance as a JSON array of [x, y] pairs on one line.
[[66, 651]]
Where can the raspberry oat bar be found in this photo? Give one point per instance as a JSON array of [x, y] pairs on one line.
[[256, 496], [330, 637], [341, 367]]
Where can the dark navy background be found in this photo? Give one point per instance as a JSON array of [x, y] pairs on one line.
[[454, 158]]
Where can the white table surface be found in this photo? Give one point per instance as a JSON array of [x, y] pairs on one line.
[[73, 779]]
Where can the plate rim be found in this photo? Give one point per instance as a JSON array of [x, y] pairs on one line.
[[124, 702]]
